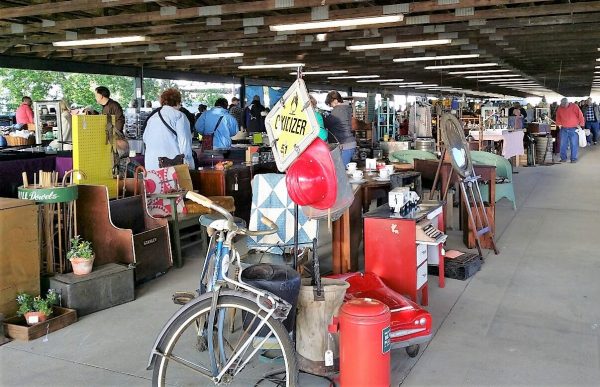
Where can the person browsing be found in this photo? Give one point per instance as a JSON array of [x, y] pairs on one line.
[[110, 107], [339, 125], [24, 113], [218, 123], [168, 132], [569, 118]]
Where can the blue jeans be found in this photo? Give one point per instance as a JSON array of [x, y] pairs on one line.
[[347, 155], [569, 136], [594, 127]]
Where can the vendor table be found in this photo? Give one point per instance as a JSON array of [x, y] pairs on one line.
[[487, 173], [374, 189], [11, 172], [512, 142], [65, 163], [347, 235]]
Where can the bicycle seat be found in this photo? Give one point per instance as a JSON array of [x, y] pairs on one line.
[[219, 223]]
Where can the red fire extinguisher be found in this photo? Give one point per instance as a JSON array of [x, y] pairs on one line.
[[365, 343]]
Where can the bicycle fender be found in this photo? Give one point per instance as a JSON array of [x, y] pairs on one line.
[[155, 353]]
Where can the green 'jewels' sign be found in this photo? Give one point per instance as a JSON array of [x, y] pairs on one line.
[[50, 194]]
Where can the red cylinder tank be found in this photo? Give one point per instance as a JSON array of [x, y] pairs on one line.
[[365, 343]]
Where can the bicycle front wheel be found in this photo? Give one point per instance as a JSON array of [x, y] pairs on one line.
[[267, 359]]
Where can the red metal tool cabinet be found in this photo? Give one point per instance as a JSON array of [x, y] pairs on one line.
[[393, 253]]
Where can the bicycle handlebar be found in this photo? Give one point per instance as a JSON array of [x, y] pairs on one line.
[[267, 222], [206, 202]]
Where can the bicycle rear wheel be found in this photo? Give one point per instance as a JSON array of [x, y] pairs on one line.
[[267, 362]]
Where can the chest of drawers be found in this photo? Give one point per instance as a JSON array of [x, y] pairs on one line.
[[234, 181]]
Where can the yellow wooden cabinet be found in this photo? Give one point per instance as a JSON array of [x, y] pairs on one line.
[[19, 252]]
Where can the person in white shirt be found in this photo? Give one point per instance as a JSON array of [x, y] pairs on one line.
[[168, 132]]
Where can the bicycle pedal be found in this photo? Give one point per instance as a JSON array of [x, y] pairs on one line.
[[182, 298]]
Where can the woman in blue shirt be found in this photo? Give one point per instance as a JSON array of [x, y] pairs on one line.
[[219, 123], [167, 132]]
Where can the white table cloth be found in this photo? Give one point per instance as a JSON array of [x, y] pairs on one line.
[[513, 141]]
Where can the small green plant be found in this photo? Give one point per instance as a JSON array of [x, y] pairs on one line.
[[80, 249], [28, 303]]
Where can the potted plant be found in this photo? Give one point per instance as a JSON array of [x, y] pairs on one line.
[[81, 256], [36, 309]]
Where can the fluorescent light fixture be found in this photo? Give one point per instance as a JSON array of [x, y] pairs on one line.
[[380, 80], [461, 66], [479, 72], [488, 76], [324, 72], [416, 43], [401, 83], [515, 78], [354, 77], [205, 56], [270, 66], [337, 23], [514, 83], [598, 60], [92, 42], [425, 86], [440, 57]]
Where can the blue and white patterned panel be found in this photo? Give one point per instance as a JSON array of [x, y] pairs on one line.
[[270, 198]]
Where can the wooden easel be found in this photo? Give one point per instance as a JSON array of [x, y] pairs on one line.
[[471, 194]]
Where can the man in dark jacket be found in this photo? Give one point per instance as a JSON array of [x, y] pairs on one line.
[[255, 121], [110, 107]]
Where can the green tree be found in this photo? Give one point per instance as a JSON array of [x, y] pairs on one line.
[[18, 83], [74, 87]]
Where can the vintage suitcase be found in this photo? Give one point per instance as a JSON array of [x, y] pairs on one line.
[[106, 286]]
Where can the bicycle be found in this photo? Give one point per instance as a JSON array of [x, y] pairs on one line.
[[207, 338]]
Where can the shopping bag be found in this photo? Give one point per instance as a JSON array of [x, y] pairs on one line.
[[582, 138]]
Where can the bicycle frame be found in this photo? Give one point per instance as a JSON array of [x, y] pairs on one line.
[[219, 252]]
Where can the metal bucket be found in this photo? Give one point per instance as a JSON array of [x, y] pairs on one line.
[[541, 149], [425, 144], [312, 320]]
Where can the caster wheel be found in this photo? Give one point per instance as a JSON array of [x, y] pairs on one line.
[[412, 350]]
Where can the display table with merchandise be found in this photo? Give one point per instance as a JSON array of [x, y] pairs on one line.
[[512, 141]]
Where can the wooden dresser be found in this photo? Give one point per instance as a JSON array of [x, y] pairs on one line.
[[234, 181]]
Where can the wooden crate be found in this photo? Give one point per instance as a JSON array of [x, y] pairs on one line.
[[17, 328]]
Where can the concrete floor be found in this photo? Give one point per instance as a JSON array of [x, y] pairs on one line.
[[531, 316]]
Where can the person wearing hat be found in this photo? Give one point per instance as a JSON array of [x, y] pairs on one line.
[[339, 125], [569, 118]]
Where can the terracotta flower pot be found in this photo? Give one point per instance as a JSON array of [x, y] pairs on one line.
[[35, 317], [82, 266]]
